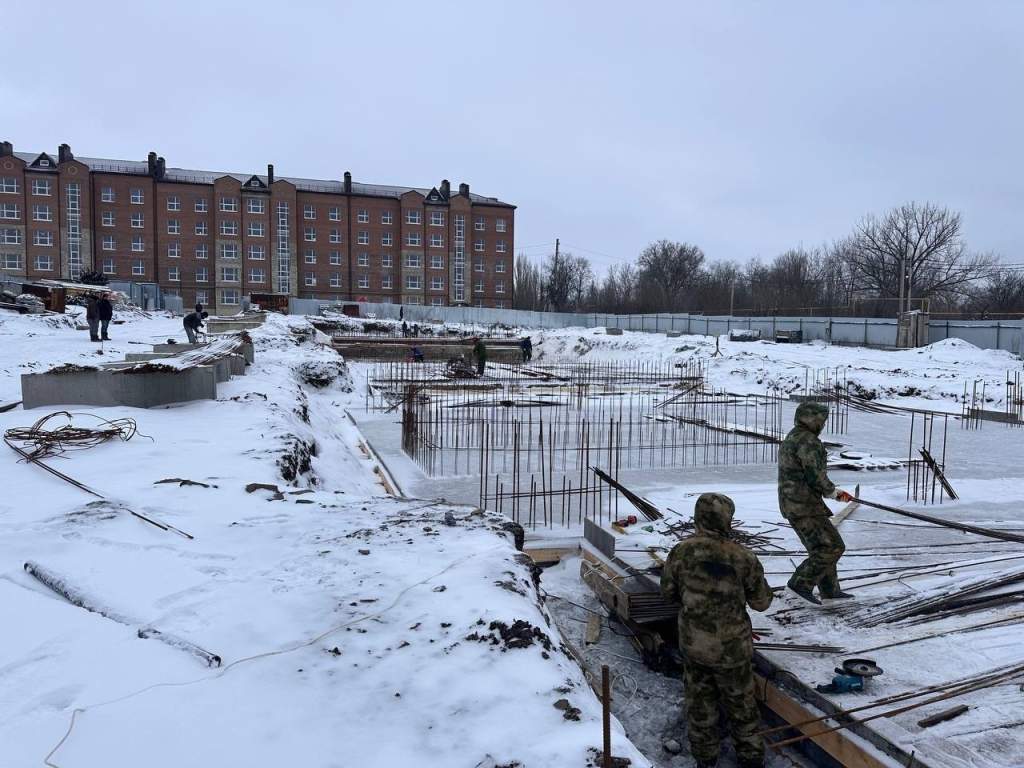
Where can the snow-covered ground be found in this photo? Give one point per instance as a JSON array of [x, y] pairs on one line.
[[355, 629]]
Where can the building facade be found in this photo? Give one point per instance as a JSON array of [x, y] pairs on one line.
[[216, 237]]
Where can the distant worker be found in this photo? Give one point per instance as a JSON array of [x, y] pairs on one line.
[[92, 316], [480, 355], [714, 579], [417, 354], [803, 482], [193, 322], [526, 346], [106, 312], [415, 330], [405, 329]]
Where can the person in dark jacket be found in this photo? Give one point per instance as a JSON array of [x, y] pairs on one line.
[[106, 313], [526, 347], [193, 322], [92, 316], [480, 355]]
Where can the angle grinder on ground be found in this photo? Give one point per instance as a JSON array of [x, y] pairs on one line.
[[851, 676]]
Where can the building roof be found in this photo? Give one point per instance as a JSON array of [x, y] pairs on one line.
[[333, 186]]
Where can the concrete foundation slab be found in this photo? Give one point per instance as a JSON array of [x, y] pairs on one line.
[[109, 386]]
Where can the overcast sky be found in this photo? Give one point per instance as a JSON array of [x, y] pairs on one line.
[[746, 128]]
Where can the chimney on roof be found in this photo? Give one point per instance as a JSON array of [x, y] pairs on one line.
[[161, 167], [446, 188], [6, 149], [464, 189], [348, 183], [270, 174], [151, 160], [64, 153]]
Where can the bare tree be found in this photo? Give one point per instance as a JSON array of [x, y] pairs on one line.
[[567, 280], [914, 250], [1002, 292], [529, 293], [668, 272]]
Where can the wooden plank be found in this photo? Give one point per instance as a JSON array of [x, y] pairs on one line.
[[943, 716], [550, 555], [848, 510], [593, 633]]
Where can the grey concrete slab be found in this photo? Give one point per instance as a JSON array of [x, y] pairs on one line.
[[110, 386]]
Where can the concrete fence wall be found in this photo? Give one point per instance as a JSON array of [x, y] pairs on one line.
[[870, 331]]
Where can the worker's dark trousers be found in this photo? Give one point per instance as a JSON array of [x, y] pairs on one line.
[[103, 328], [191, 335], [480, 365], [824, 547], [94, 328], [732, 689]]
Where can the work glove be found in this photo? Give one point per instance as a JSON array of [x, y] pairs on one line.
[[840, 495]]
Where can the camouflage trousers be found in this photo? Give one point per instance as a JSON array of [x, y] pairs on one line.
[[824, 547], [732, 689]]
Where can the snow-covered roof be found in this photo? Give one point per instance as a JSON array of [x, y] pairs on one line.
[[333, 186]]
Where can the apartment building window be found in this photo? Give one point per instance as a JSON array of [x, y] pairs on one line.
[[41, 187], [478, 223], [10, 236], [437, 218], [310, 256], [437, 261], [257, 252], [335, 279], [107, 219], [412, 238], [230, 274], [202, 274], [44, 262], [335, 236], [138, 221], [255, 229], [229, 250], [202, 228], [335, 258], [500, 246], [255, 205], [174, 274], [310, 279], [308, 212], [413, 282], [230, 296], [478, 266], [386, 282], [437, 283], [9, 185], [413, 260], [364, 281], [310, 235], [334, 213], [415, 300], [108, 267], [499, 225], [173, 203], [437, 241], [478, 245], [499, 305], [42, 213], [202, 205], [106, 194], [478, 287], [109, 243], [363, 217], [386, 240], [499, 266], [437, 301], [257, 275], [499, 286], [10, 211], [363, 259], [229, 204], [174, 250], [203, 297], [202, 252], [137, 198], [137, 244], [138, 268], [173, 227], [387, 260], [229, 228], [387, 218], [413, 217], [43, 238]]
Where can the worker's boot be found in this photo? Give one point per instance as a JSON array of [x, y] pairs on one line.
[[751, 762], [838, 595], [807, 593]]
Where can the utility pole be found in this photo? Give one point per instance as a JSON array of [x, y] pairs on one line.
[[903, 281], [556, 249]]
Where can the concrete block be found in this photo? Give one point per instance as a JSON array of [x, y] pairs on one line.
[[110, 386], [673, 334], [145, 357], [221, 325], [613, 331], [237, 365]]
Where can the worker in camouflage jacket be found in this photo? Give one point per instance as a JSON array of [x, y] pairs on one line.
[[803, 483], [714, 579]]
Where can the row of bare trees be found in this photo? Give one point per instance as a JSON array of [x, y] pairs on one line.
[[911, 255]]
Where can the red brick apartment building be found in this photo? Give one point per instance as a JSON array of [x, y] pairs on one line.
[[216, 237]]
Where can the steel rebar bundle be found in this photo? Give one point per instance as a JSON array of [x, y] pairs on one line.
[[40, 441]]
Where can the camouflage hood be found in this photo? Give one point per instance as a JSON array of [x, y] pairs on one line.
[[811, 416], [712, 514]]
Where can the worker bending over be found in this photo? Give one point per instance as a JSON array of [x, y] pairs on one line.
[[714, 579], [803, 482]]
